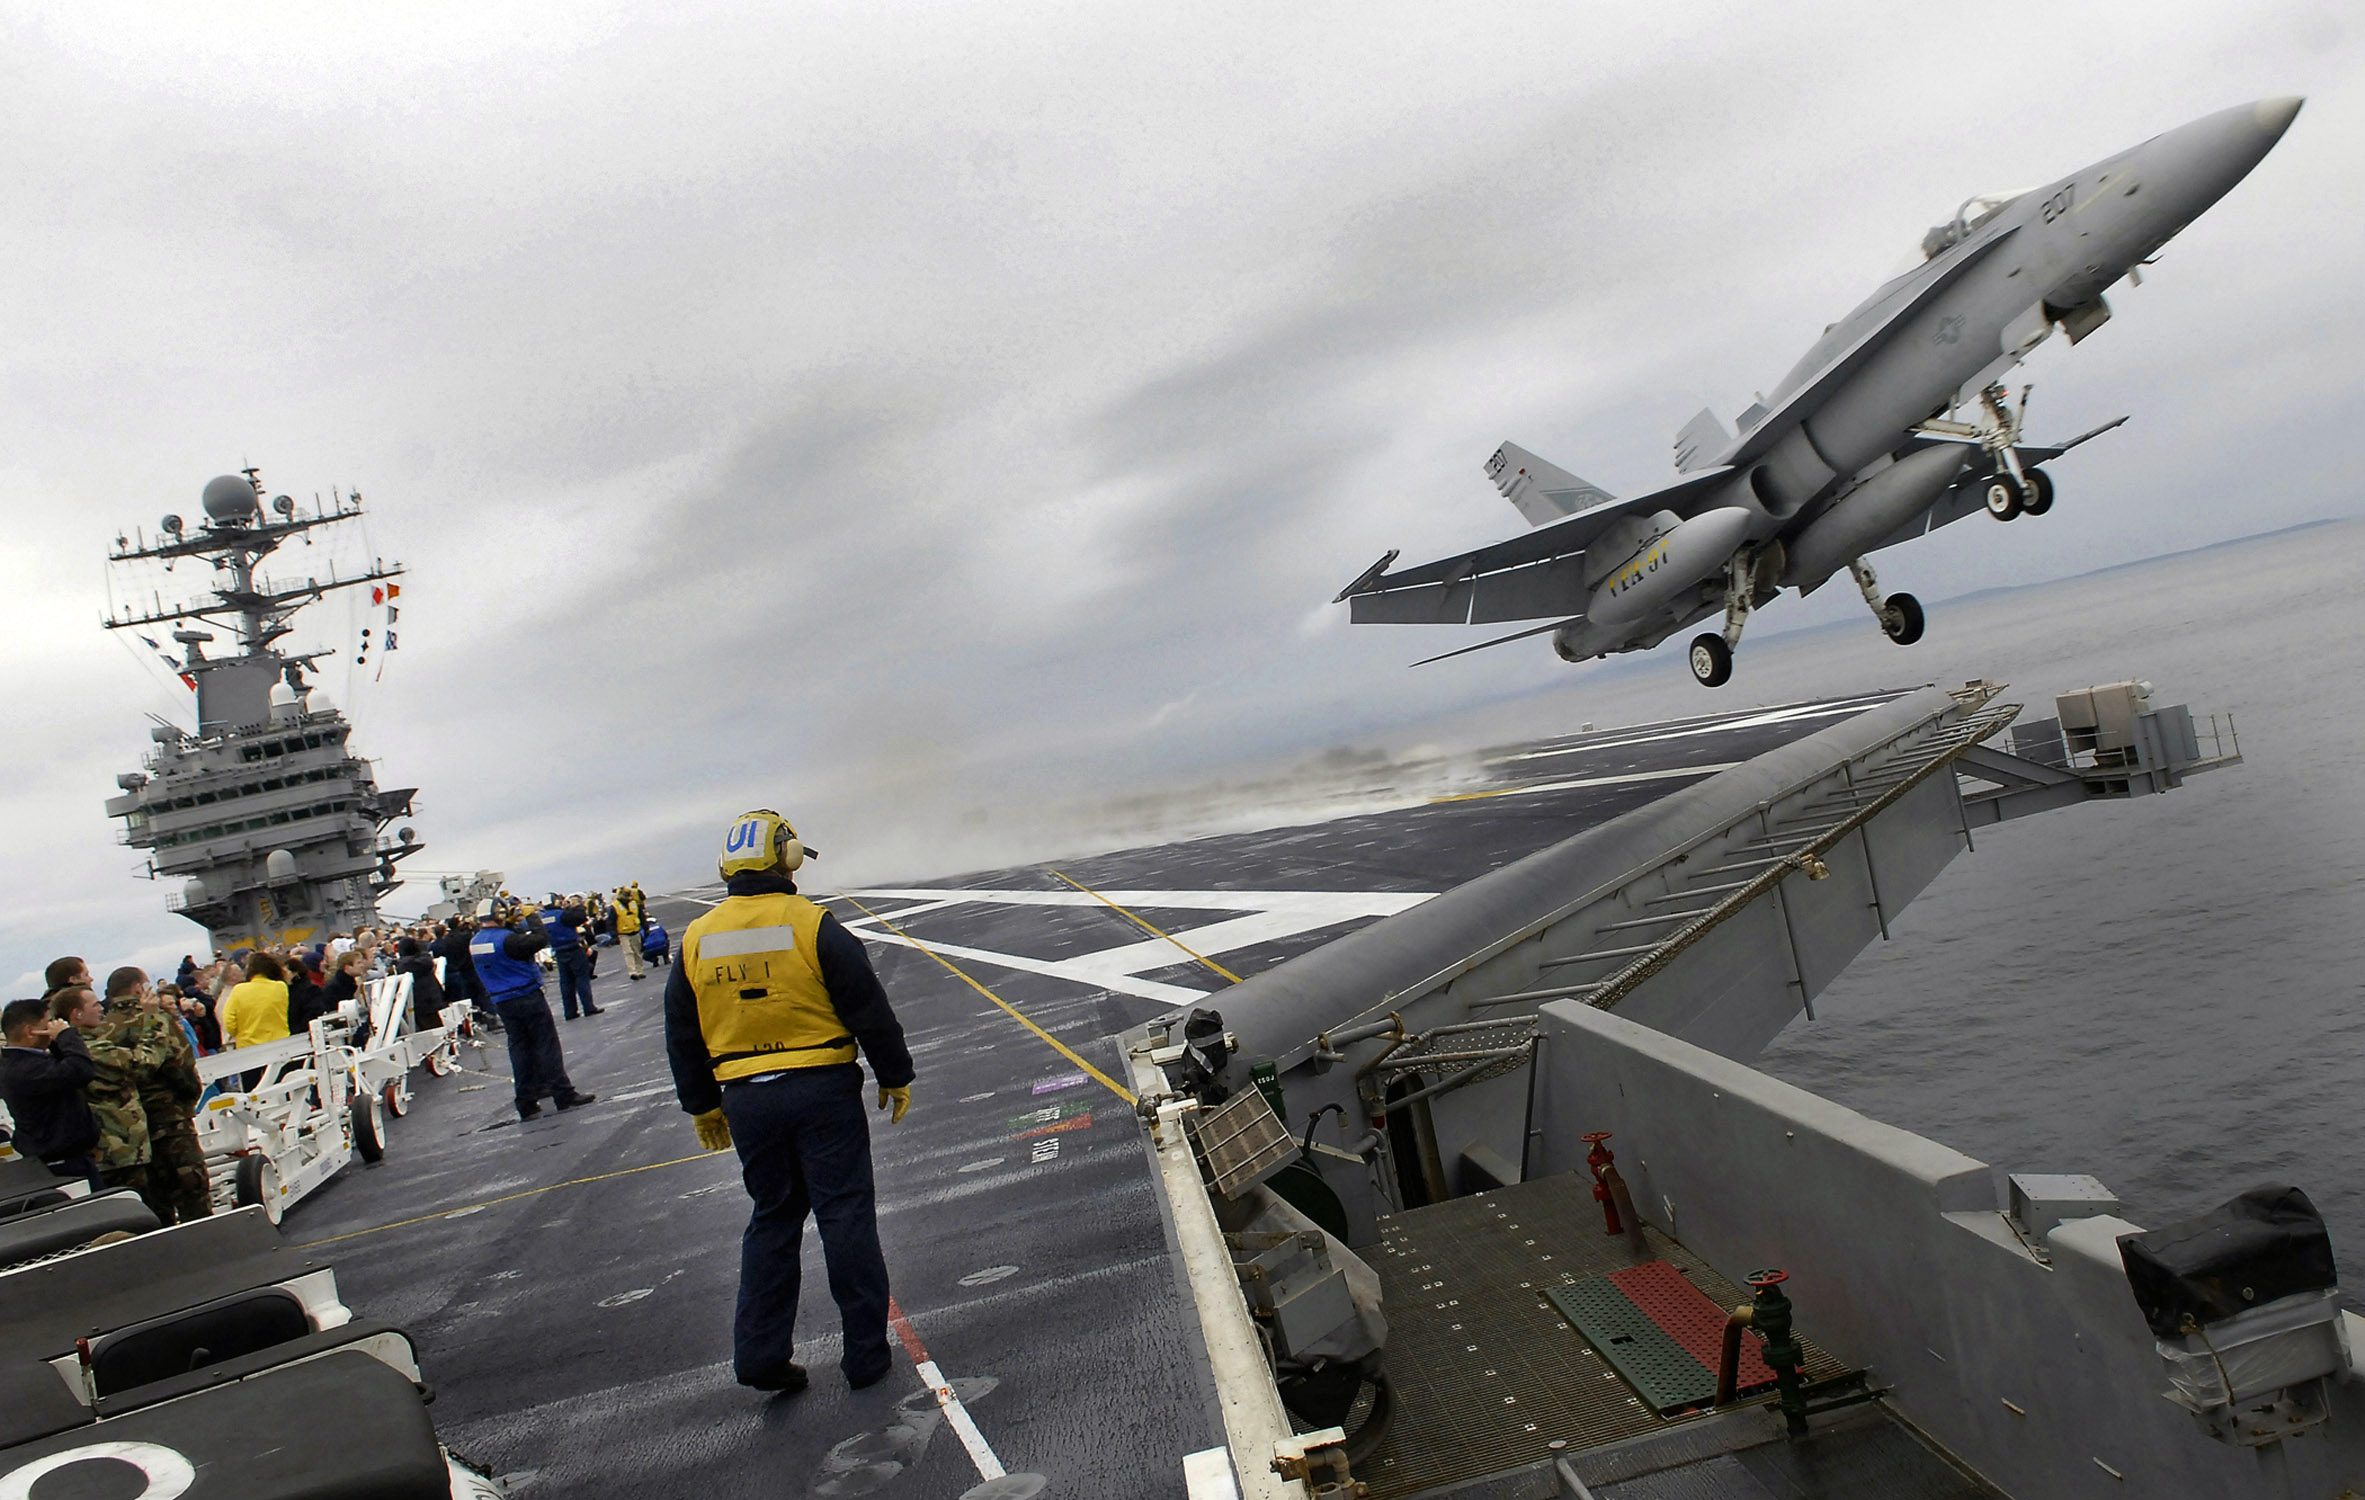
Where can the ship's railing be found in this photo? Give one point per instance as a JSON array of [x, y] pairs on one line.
[[2171, 738]]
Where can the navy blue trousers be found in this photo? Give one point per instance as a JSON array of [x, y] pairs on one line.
[[574, 980], [536, 1066], [804, 1147]]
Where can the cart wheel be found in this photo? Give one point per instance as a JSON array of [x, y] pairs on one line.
[[368, 1144], [439, 1062], [396, 1104], [257, 1186]]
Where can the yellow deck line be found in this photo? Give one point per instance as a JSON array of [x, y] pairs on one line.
[[1056, 1045], [1145, 925], [445, 1213]]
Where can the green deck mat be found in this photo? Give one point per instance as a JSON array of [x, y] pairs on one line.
[[1661, 1371]]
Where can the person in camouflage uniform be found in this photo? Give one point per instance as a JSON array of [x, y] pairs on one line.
[[113, 1094], [169, 1091]]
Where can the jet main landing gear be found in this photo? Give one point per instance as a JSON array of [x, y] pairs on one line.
[[1900, 615], [1712, 654], [2012, 490], [2008, 497], [1712, 660]]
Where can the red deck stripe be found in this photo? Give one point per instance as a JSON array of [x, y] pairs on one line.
[[904, 1332], [1685, 1314]]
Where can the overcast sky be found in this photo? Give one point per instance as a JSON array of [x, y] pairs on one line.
[[901, 413]]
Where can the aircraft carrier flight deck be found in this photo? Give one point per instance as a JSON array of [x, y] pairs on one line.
[[570, 1279]]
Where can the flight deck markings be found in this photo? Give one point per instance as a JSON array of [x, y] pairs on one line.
[[989, 1274], [1673, 773], [1766, 718], [461, 1210], [1145, 925], [1259, 917], [1056, 1045], [956, 1415]]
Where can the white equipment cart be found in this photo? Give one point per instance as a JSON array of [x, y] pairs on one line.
[[305, 1118]]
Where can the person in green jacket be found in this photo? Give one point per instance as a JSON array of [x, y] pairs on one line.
[[113, 1093], [169, 1089]]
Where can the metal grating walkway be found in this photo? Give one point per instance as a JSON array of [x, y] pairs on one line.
[[1486, 1373]]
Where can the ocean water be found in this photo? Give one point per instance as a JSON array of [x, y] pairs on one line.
[[2167, 994]]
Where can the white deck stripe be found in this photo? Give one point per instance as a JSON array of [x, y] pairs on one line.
[[1614, 740], [1265, 916], [1146, 989], [1522, 789], [956, 1415]]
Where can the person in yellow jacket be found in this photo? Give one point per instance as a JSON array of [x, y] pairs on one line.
[[765, 1013], [255, 1010], [629, 910]]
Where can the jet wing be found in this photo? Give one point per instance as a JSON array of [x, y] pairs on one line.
[[1532, 577], [1795, 408], [2030, 453]]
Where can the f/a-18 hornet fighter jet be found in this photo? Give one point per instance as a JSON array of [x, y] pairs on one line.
[[1894, 424]]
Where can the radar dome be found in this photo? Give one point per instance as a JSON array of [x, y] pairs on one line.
[[279, 865], [229, 498], [286, 704], [193, 893]]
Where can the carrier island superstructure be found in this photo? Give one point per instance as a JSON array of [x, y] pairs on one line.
[[272, 822]]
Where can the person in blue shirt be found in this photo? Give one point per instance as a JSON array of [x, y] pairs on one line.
[[504, 961], [564, 921]]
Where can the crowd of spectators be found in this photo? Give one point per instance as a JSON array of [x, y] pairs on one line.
[[102, 1084]]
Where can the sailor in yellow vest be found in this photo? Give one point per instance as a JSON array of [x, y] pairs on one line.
[[764, 1014], [630, 907]]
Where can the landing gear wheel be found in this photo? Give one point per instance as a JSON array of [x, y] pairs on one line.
[[1712, 660], [1901, 619], [396, 1104], [2040, 493], [369, 1143], [2004, 500], [257, 1186]]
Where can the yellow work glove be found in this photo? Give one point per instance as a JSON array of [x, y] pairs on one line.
[[903, 1101], [714, 1130]]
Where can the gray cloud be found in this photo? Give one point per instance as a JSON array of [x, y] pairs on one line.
[[926, 416]]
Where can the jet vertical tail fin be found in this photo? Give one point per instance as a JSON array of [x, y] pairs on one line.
[[1543, 492], [1700, 441]]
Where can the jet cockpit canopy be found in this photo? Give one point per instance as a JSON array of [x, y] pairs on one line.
[[1976, 210]]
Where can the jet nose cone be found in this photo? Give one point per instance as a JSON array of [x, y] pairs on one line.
[[2274, 116]]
